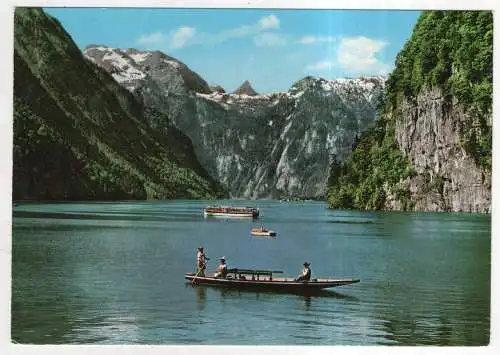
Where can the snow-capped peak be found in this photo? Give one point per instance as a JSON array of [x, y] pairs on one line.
[[121, 65]]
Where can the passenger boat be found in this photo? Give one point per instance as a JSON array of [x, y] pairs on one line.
[[229, 211], [264, 280], [263, 232]]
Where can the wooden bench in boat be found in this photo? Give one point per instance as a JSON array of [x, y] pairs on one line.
[[240, 274]]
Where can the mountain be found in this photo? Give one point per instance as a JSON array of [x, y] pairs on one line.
[[79, 135], [275, 145], [245, 89], [431, 149], [129, 67], [217, 88]]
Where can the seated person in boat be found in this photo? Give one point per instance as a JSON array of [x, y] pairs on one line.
[[221, 269], [201, 262], [305, 275]]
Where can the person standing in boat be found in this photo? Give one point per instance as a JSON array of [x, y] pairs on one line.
[[221, 269], [201, 262], [305, 275]]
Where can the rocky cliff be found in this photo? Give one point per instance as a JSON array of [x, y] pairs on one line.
[[447, 177], [80, 135], [431, 149], [275, 145]]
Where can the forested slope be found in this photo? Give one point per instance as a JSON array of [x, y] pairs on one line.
[[431, 149], [79, 135]]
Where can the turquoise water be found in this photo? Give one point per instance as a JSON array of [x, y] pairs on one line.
[[112, 273]]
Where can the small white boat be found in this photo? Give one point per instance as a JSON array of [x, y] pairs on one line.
[[263, 232]]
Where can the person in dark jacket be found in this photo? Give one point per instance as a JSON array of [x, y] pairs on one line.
[[305, 275]]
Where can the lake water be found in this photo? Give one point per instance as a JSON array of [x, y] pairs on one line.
[[112, 273]]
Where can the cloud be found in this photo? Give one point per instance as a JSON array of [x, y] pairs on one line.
[[265, 23], [268, 39], [320, 66], [269, 22], [355, 55], [310, 39], [153, 38], [181, 37], [186, 35], [358, 54]]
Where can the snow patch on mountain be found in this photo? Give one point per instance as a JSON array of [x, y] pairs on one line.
[[125, 65], [140, 57], [172, 63], [294, 95]]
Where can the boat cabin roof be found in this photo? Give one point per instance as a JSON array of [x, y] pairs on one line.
[[253, 272]]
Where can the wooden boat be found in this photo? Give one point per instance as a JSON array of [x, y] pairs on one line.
[[263, 232], [264, 280], [229, 211]]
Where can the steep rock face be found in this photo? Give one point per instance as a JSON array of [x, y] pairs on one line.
[[80, 135], [269, 145], [447, 177], [277, 145]]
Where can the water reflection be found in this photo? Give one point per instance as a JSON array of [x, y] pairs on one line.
[[108, 216], [306, 296], [307, 301], [444, 330], [56, 320], [425, 329], [201, 293]]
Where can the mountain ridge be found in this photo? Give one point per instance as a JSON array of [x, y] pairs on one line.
[[259, 146]]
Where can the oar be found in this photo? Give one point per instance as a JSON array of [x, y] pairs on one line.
[[202, 268]]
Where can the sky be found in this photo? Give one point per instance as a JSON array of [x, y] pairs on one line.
[[271, 48]]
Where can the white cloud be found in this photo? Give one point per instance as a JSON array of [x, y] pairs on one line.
[[310, 39], [269, 22], [181, 36], [355, 55], [307, 40], [153, 38], [265, 23], [186, 36], [269, 39], [358, 54], [320, 66]]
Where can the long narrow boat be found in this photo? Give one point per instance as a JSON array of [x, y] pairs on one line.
[[230, 211], [264, 280]]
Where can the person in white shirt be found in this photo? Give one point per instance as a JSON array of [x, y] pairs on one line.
[[201, 262], [221, 269], [305, 275]]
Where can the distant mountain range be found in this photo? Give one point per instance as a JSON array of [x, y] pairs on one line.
[[274, 145], [127, 124]]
